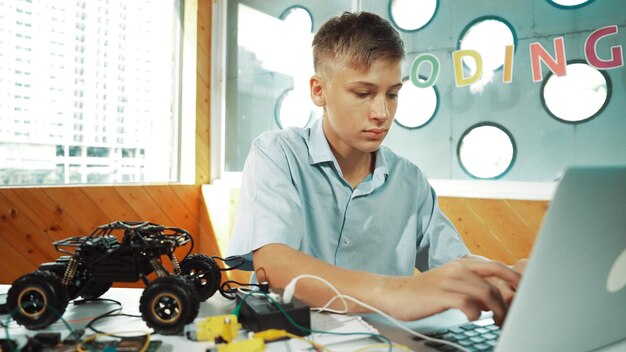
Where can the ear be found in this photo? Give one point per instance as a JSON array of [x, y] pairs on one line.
[[317, 90]]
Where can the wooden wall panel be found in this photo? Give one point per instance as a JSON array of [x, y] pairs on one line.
[[31, 218], [501, 229]]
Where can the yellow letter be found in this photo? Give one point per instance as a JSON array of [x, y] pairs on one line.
[[458, 67], [507, 74]]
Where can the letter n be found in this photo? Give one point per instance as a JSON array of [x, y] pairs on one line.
[[558, 66]]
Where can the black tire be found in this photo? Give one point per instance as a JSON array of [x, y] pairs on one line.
[[168, 304], [94, 289], [204, 274], [37, 300]]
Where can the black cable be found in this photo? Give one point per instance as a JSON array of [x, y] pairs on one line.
[[229, 292], [4, 308], [240, 260], [112, 313], [191, 242]]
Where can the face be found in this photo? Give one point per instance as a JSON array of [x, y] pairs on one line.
[[359, 106]]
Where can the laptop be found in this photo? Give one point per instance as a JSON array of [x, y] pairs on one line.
[[572, 296]]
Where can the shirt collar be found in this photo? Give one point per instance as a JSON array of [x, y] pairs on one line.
[[320, 152]]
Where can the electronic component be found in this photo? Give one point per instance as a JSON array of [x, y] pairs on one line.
[[124, 344], [258, 312], [251, 345], [74, 337], [220, 328], [8, 345]]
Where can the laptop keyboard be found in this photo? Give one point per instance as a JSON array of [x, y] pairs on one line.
[[471, 336]]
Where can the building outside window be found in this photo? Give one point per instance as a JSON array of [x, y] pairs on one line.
[[89, 91]]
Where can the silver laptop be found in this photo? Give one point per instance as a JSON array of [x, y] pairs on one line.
[[572, 296]]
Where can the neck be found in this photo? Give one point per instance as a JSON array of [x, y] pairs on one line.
[[355, 166]]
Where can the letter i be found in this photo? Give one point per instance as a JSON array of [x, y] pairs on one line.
[[507, 72]]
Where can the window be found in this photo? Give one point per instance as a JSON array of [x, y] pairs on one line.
[[298, 18], [578, 96], [486, 151], [294, 109], [417, 106], [569, 4], [488, 35], [411, 15], [267, 72], [147, 99]]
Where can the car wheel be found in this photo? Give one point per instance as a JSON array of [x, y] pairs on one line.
[[204, 273], [168, 304], [37, 300]]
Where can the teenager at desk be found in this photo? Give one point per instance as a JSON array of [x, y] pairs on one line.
[[329, 200]]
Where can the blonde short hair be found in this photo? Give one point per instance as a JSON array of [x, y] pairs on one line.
[[355, 40]]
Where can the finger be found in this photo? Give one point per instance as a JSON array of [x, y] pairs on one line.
[[506, 291], [486, 295], [520, 266], [490, 268], [470, 307], [463, 281]]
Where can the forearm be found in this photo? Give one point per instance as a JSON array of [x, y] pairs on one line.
[[459, 284], [278, 264]]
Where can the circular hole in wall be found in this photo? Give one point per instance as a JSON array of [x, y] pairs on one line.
[[298, 18], [580, 95], [411, 15], [569, 4], [292, 109], [416, 106], [488, 36], [486, 150]]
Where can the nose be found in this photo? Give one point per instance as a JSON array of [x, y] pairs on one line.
[[380, 108]]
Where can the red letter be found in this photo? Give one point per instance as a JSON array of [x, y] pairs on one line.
[[537, 52], [616, 59]]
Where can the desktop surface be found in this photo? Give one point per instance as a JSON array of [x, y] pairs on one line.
[[77, 316]]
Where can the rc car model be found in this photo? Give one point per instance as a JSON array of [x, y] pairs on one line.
[[119, 252]]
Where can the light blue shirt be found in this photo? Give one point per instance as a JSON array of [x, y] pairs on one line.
[[293, 192]]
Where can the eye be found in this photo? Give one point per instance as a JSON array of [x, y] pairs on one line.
[[362, 94], [392, 95]]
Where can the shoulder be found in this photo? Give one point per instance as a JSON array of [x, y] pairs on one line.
[[404, 175], [275, 138], [398, 163], [280, 144]]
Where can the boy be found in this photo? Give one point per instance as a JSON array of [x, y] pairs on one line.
[[329, 200]]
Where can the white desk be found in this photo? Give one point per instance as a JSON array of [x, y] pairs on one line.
[[79, 316]]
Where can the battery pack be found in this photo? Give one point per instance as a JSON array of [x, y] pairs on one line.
[[258, 313]]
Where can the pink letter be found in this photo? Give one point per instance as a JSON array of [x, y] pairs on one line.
[[558, 66], [616, 59]]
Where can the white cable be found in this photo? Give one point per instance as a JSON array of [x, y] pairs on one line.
[[290, 290], [342, 297], [326, 309], [398, 324]]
